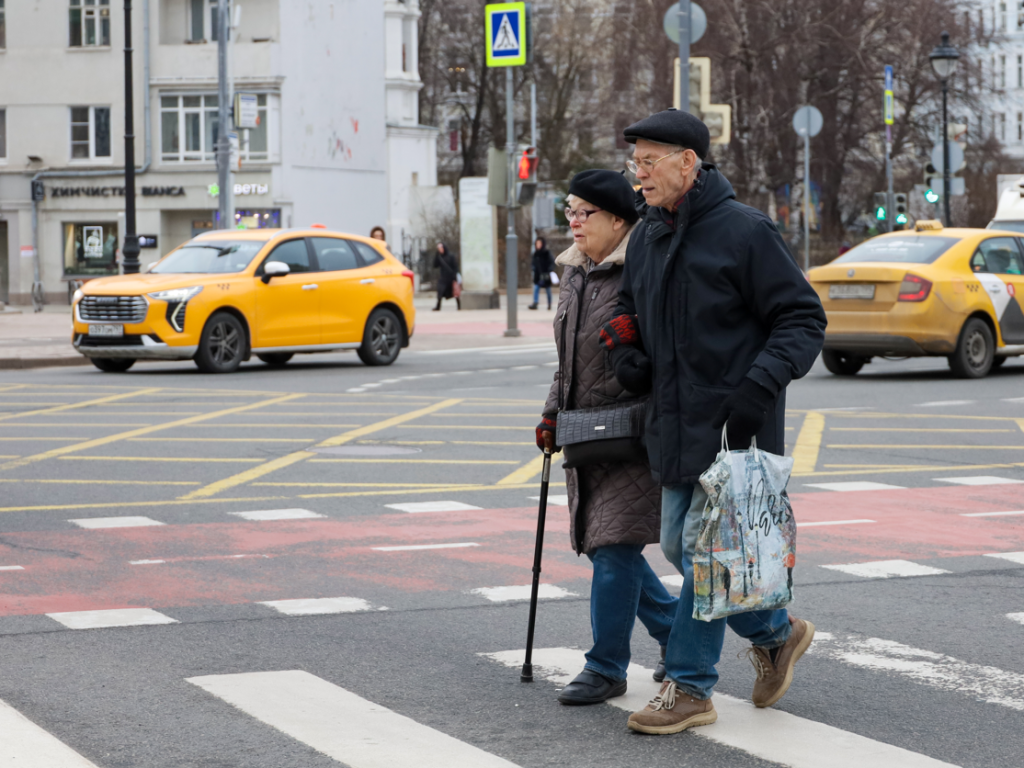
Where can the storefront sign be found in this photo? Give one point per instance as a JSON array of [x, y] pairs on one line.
[[251, 189], [115, 191], [147, 241], [27, 251]]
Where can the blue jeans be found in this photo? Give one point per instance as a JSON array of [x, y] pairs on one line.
[[536, 293], [624, 588], [695, 646]]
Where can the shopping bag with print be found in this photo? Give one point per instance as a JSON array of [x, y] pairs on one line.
[[746, 547]]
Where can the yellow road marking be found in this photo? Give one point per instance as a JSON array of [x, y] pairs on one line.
[[937, 447], [462, 426], [496, 415], [920, 468], [366, 485], [13, 456], [1020, 423], [808, 443], [528, 471], [11, 387], [907, 429], [142, 413], [140, 432], [278, 426], [408, 461], [448, 489], [81, 424], [879, 415], [214, 439], [83, 404], [106, 482], [451, 442], [159, 458], [878, 466], [285, 461], [123, 504], [51, 439]]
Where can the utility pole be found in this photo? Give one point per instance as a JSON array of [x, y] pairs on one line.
[[223, 118], [511, 241], [130, 249], [887, 109], [684, 55], [533, 143]]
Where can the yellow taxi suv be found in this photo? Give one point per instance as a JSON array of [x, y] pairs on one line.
[[931, 291], [225, 296]]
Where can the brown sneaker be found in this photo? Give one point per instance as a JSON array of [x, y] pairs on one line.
[[774, 678], [672, 711]]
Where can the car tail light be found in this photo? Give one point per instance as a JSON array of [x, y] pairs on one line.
[[914, 288], [411, 275]]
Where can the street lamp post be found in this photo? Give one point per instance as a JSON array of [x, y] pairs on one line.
[[130, 249], [944, 60]]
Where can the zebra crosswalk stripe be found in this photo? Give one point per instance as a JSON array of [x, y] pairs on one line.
[[24, 743]]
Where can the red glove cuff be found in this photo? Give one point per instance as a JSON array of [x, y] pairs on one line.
[[620, 330]]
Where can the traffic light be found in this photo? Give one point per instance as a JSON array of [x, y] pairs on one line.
[[900, 205], [931, 196], [880, 203], [527, 173]]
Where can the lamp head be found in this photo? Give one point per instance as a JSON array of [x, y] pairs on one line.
[[944, 58]]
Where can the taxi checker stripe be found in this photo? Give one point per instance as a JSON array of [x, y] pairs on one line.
[[285, 461], [56, 452]]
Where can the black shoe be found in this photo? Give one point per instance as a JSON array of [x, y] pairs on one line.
[[591, 688], [532, 306], [659, 671]]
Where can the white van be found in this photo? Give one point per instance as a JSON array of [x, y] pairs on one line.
[[1010, 212]]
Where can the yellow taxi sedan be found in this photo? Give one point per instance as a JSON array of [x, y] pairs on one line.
[[946, 292], [227, 295]]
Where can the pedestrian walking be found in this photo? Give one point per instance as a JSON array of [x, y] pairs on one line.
[[378, 233], [543, 264], [714, 305], [447, 279], [613, 507]]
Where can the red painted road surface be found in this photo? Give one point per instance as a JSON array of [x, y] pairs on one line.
[[76, 570]]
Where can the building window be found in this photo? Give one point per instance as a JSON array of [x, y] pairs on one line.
[[1020, 126], [1020, 71], [90, 249], [90, 133], [202, 22], [1002, 127], [3, 134], [1002, 72], [3, 26], [1002, 16], [188, 128], [89, 23]]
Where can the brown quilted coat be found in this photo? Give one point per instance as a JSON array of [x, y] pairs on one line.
[[608, 503]]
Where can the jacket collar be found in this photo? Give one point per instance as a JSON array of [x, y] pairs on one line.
[[574, 257]]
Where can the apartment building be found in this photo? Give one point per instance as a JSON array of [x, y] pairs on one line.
[[334, 144]]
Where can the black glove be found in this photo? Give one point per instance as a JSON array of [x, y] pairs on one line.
[[546, 435], [632, 368], [745, 411]]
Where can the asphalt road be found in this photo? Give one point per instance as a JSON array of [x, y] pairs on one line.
[[905, 564]]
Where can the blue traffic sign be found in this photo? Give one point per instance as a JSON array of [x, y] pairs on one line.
[[888, 78], [506, 34]]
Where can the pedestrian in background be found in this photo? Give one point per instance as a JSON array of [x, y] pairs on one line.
[[613, 508], [448, 274], [713, 303], [543, 265], [378, 233]]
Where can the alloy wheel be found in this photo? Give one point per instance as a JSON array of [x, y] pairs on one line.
[[225, 343], [384, 337]]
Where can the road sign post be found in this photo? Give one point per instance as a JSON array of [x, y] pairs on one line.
[[887, 113], [807, 122], [684, 23], [506, 42]]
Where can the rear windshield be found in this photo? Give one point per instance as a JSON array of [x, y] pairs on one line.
[[1008, 226], [909, 249], [210, 257]]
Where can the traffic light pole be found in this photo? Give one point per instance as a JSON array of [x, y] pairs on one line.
[[684, 55], [945, 151], [227, 220], [130, 248], [511, 241], [890, 200]]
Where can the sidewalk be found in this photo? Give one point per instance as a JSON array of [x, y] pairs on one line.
[[41, 339]]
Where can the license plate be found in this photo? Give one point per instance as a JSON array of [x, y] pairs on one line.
[[851, 292], [106, 330]]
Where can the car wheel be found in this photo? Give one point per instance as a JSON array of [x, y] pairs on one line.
[[382, 339], [842, 363], [222, 345], [975, 351], [112, 364], [276, 359]]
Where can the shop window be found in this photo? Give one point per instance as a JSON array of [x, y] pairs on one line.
[[3, 26], [89, 23], [90, 249], [265, 218], [90, 133], [188, 128]]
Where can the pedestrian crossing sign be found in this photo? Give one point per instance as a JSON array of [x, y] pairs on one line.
[[506, 34]]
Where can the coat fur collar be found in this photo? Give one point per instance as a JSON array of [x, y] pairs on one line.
[[574, 257]]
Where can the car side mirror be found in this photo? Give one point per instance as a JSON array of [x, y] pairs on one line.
[[274, 269]]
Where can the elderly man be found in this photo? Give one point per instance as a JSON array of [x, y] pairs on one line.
[[715, 318]]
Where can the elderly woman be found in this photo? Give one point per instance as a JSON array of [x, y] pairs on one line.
[[615, 509]]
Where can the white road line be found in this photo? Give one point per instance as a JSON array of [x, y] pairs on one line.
[[979, 480], [675, 580], [340, 724], [522, 592], [115, 522], [412, 547], [523, 350], [833, 522], [1018, 617], [146, 562], [884, 569], [276, 514], [935, 670], [1013, 557], [523, 368], [26, 744], [316, 606], [855, 485], [939, 403], [770, 734], [1013, 399], [557, 499], [433, 506], [355, 390], [116, 617], [11, 568], [991, 514], [513, 349]]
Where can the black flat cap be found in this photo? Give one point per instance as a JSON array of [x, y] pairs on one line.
[[672, 127], [608, 190]]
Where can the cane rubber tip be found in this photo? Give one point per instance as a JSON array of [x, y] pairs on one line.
[[527, 674]]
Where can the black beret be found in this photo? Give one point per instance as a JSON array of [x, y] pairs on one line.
[[672, 127], [608, 190]]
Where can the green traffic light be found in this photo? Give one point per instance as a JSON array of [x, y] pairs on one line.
[[901, 218], [880, 213], [931, 196]]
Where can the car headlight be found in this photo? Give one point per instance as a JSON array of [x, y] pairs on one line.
[[176, 295], [78, 294]]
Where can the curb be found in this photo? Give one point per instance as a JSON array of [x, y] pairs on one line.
[[21, 363]]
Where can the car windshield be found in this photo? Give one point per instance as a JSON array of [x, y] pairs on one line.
[[210, 257], [909, 249], [1007, 226]]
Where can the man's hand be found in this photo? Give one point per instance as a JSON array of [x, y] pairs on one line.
[[632, 368], [620, 331], [546, 435], [744, 413]]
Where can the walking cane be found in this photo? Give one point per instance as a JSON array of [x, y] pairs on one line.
[[526, 676]]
